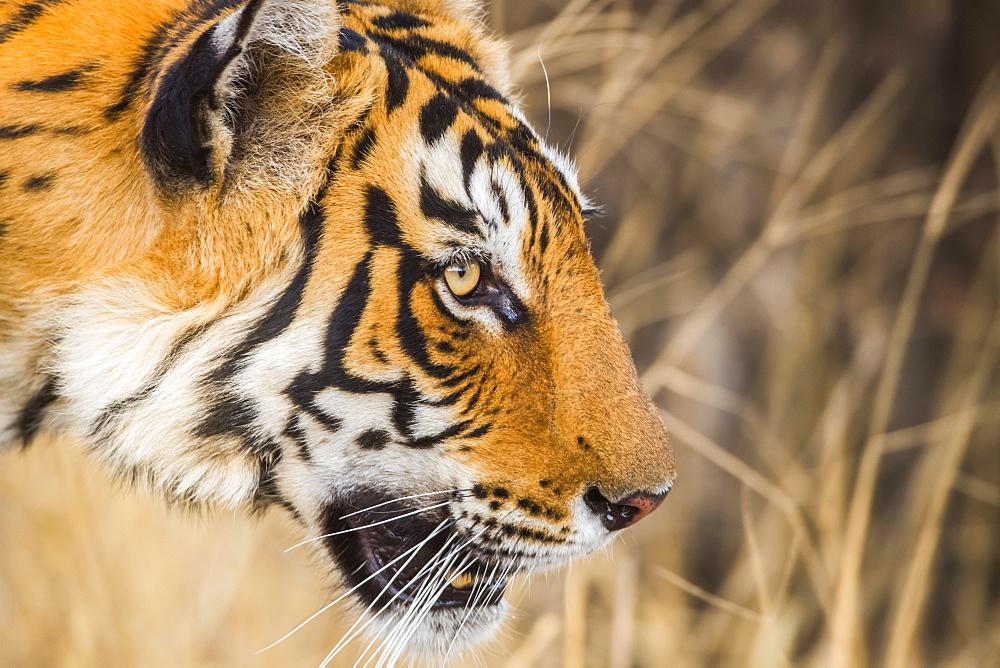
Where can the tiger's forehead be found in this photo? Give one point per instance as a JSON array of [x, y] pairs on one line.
[[470, 163]]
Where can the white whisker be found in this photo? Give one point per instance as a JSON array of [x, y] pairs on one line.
[[418, 596], [347, 593], [368, 526], [419, 614], [411, 613], [468, 613], [348, 636], [403, 498], [432, 589], [548, 92]]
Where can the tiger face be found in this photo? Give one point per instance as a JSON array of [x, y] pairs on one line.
[[310, 254]]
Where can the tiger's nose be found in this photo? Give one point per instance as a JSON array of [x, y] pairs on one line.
[[626, 511]]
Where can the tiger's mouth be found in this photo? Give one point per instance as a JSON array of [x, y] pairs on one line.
[[391, 558]]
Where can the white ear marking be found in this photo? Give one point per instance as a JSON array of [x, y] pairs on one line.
[[225, 30], [306, 29]]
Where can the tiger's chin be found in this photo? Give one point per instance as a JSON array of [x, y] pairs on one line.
[[440, 634]]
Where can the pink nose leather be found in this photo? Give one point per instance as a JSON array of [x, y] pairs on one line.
[[644, 502]]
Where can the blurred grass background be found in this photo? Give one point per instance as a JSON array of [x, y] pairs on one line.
[[801, 245]]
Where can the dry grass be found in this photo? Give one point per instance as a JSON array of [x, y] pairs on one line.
[[806, 258]]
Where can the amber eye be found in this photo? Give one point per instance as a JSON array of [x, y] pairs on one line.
[[462, 276]]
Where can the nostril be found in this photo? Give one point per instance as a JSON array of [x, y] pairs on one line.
[[626, 512], [613, 516]]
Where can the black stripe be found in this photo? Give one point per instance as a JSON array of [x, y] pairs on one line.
[[471, 151], [267, 493], [473, 400], [501, 198], [350, 40], [542, 228], [450, 399], [4, 175], [475, 89], [357, 123], [331, 423], [398, 84], [57, 83], [461, 331], [281, 314], [380, 218], [455, 380], [482, 430], [433, 205], [414, 47], [25, 16], [496, 151], [18, 131], [373, 439], [408, 330], [404, 406], [228, 412], [340, 328], [29, 421], [141, 67], [431, 441], [115, 409], [73, 130], [363, 147], [343, 321], [294, 431], [376, 353], [531, 204], [437, 116], [38, 182], [399, 20]]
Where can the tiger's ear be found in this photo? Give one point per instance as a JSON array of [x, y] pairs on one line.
[[241, 103]]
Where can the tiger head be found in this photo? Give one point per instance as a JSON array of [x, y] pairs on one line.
[[363, 292]]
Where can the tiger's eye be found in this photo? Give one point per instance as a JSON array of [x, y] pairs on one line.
[[462, 276]]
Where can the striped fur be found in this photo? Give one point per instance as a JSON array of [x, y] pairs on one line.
[[222, 232]]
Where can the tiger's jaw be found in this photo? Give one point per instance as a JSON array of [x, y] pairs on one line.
[[418, 581], [427, 574]]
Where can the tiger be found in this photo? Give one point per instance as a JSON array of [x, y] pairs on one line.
[[310, 254]]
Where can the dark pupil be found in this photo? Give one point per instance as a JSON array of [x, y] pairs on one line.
[[461, 271]]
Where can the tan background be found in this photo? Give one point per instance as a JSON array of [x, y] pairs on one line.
[[802, 246]]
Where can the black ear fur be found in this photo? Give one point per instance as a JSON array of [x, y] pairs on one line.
[[188, 133], [177, 136]]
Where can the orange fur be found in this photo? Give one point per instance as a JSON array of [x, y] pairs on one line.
[[102, 246]]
